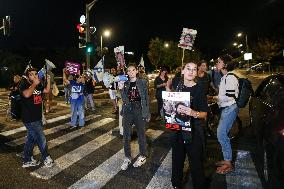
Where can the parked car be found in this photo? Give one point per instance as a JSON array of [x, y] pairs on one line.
[[266, 109]]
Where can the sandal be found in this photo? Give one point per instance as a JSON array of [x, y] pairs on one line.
[[225, 169]]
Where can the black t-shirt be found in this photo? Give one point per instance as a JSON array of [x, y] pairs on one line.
[[159, 81], [89, 88], [32, 106], [133, 93], [204, 82], [198, 102]]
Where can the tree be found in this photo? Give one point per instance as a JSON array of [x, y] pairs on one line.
[[265, 49], [155, 52]]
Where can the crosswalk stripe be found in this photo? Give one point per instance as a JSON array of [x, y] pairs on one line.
[[23, 128], [21, 140], [98, 177], [162, 178], [64, 138], [72, 157], [245, 172]]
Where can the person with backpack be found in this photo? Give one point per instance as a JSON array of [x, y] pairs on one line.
[[228, 92]]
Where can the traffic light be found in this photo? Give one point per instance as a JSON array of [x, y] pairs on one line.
[[89, 48], [82, 35], [7, 25]]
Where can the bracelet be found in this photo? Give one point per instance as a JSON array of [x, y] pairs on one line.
[[196, 115]]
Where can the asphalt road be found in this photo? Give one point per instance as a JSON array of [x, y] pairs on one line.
[[91, 158]]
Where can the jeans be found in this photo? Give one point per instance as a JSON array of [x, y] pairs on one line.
[[77, 109], [89, 98], [134, 116], [35, 136], [228, 116], [67, 93]]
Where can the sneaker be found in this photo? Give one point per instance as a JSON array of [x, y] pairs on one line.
[[125, 164], [140, 161], [31, 163], [48, 162], [73, 126]]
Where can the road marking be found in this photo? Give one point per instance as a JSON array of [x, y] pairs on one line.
[[64, 138], [98, 177], [245, 175], [162, 178], [23, 128], [21, 140], [72, 157]]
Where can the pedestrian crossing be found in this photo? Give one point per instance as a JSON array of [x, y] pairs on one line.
[[98, 155]]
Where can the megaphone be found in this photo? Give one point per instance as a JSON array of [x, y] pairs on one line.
[[49, 65]]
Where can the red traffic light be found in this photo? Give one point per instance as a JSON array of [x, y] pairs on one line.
[[81, 28]]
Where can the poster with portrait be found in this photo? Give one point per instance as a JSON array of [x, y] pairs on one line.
[[119, 56], [175, 106], [187, 38], [72, 67]]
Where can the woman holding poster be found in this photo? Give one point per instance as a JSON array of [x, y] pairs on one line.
[[189, 138]]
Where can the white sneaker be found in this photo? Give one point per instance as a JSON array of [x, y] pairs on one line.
[[48, 162], [31, 163], [140, 161], [125, 164]]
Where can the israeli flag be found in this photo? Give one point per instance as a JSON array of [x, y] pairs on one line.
[[99, 70], [141, 62]]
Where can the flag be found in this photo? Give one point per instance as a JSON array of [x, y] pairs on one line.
[[99, 70], [141, 62]]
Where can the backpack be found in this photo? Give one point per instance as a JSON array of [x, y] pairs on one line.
[[245, 91]]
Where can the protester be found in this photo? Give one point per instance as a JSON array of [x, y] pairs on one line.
[[89, 90], [135, 110], [48, 97], [77, 100], [67, 87], [113, 92], [175, 81], [203, 78], [31, 91], [216, 75], [228, 91], [187, 142], [15, 98], [160, 84], [142, 74]]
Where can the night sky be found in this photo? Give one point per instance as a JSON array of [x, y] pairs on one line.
[[52, 23]]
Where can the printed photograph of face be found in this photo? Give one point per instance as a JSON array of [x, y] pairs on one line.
[[187, 39]]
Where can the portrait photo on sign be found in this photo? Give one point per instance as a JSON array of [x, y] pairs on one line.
[[187, 38], [175, 106], [119, 56]]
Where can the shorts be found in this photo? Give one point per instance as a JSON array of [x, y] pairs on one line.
[[112, 94]]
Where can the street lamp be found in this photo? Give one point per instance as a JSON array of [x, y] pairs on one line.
[[240, 34], [106, 33], [166, 45]]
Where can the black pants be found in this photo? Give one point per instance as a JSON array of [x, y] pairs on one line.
[[159, 104], [194, 151]]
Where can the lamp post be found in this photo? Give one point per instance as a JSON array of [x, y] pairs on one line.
[[240, 34], [106, 33]]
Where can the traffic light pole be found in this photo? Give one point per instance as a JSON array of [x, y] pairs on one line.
[[88, 36]]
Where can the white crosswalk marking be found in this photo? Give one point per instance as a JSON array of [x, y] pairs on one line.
[[64, 138], [23, 128], [108, 169], [21, 140], [245, 175], [162, 178], [72, 157]]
